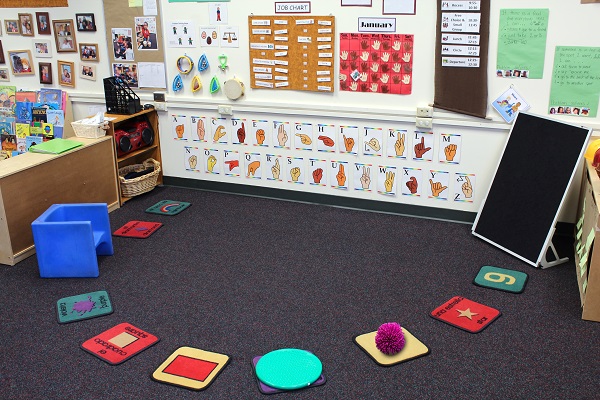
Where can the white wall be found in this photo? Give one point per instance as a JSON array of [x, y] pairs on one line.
[[571, 23]]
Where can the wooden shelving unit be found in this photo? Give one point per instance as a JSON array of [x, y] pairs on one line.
[[32, 182], [140, 155]]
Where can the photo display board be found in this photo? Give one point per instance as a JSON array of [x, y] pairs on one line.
[[537, 166], [292, 52]]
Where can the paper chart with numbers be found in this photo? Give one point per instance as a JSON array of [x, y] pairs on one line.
[[376, 63], [292, 52]]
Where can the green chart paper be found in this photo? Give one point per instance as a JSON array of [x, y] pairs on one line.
[[576, 80], [522, 40]]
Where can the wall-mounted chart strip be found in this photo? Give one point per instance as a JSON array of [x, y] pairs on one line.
[[33, 3], [461, 56], [292, 52]]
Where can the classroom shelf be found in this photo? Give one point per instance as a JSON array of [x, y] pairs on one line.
[[140, 155]]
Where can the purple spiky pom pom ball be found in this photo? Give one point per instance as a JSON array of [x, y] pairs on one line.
[[389, 338]]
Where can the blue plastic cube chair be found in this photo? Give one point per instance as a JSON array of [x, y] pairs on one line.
[[69, 237]]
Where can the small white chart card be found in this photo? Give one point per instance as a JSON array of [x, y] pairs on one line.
[[198, 126], [386, 180], [273, 167], [260, 131], [372, 141], [303, 136], [362, 176], [464, 187], [231, 163], [318, 170], [181, 34], [348, 139], [192, 158], [219, 129], [238, 127], [180, 126], [326, 138], [423, 146], [359, 3], [450, 148], [217, 13], [295, 171], [281, 135], [438, 185], [211, 164], [396, 143], [339, 174], [412, 181], [253, 165], [399, 6], [229, 36]]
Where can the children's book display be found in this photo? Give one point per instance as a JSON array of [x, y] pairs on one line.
[[29, 117]]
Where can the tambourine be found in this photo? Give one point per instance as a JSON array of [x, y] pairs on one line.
[[185, 64], [233, 88]]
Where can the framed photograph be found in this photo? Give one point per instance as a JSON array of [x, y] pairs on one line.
[[64, 35], [85, 22], [42, 48], [65, 73], [12, 26], [87, 71], [26, 24], [2, 59], [4, 74], [20, 62], [88, 52], [43, 23], [45, 73]]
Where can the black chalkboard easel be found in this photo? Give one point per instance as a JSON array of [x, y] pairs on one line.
[[537, 166]]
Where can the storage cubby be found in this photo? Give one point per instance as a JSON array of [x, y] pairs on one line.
[[139, 155]]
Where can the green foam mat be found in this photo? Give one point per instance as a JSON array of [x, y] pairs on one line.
[[83, 306], [168, 207], [503, 279]]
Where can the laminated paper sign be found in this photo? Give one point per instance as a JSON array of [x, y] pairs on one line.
[[292, 52]]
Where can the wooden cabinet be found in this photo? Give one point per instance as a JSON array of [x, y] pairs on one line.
[[139, 154], [32, 182]]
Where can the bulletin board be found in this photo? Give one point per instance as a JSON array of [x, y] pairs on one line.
[[570, 23], [292, 52], [119, 16], [521, 208]]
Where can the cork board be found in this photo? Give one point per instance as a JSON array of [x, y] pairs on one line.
[[292, 52], [33, 3], [119, 16]]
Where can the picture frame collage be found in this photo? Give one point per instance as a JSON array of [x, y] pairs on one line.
[[63, 32]]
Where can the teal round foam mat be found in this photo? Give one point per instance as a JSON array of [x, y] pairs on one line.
[[289, 369]]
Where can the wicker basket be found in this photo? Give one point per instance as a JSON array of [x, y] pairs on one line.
[[141, 184], [92, 131]]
